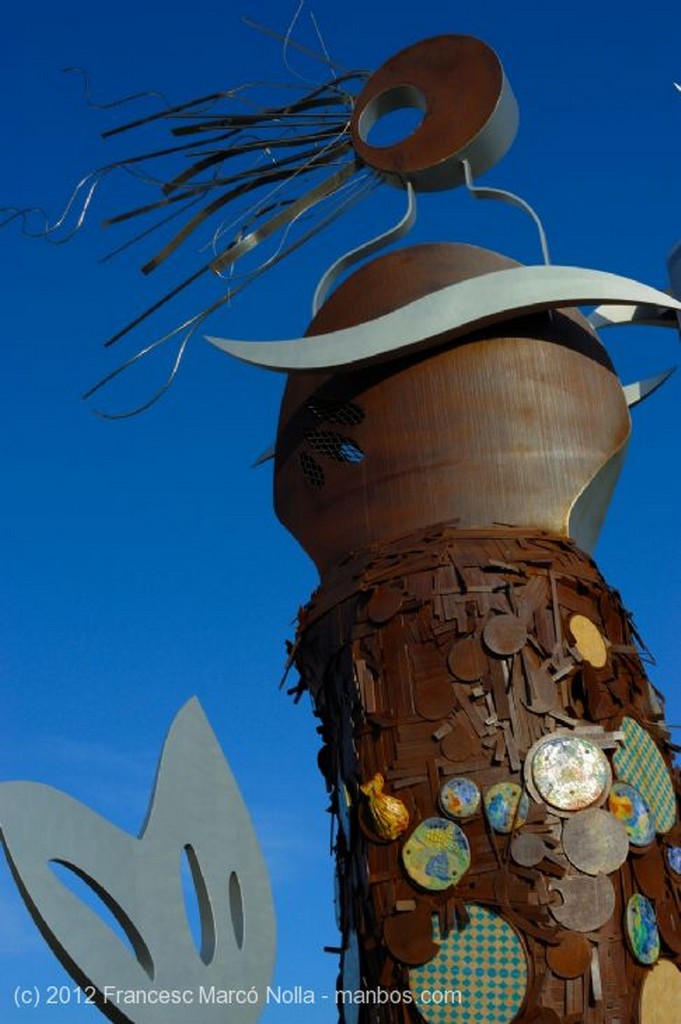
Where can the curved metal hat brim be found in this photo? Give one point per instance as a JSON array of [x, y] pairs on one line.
[[453, 311]]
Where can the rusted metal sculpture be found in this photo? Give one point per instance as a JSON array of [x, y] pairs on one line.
[[508, 840]]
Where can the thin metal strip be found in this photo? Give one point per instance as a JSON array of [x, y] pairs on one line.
[[399, 230]]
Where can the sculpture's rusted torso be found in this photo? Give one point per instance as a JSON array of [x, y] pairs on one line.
[[462, 647]]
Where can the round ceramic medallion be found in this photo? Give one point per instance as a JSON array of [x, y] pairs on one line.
[[674, 859], [459, 798], [661, 994], [480, 973], [589, 640], [569, 772], [642, 932], [627, 804], [506, 806], [640, 763], [437, 854]]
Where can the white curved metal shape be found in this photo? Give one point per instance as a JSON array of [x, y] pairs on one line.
[[393, 234], [450, 312], [196, 808], [639, 390], [637, 316]]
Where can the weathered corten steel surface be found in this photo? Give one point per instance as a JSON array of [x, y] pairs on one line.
[[453, 655], [459, 83], [506, 426], [507, 830]]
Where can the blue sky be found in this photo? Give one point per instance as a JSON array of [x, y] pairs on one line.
[[141, 560]]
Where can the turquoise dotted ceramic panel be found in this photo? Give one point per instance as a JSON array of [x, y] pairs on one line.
[[640, 763], [479, 974]]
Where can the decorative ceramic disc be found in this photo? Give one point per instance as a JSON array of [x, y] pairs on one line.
[[482, 968], [640, 763], [674, 859], [642, 932], [569, 772], [627, 804], [459, 798], [661, 994], [437, 854], [507, 806], [595, 842], [589, 640]]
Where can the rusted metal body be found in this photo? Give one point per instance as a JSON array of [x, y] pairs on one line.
[[457, 630], [503, 427]]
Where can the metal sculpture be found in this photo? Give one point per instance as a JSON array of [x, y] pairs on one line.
[[508, 844], [159, 975], [449, 429]]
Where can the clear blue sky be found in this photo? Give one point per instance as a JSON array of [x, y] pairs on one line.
[[141, 560]]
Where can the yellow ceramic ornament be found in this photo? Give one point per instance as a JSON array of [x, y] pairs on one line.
[[389, 815]]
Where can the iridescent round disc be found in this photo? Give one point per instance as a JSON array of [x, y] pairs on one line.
[[459, 798], [627, 804], [506, 806], [483, 969], [642, 932], [570, 773], [437, 854], [674, 859]]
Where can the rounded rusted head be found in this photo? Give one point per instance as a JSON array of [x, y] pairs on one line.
[[522, 423], [469, 112]]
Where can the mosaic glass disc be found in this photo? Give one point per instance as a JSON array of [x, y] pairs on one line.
[[480, 973], [437, 854], [507, 806], [642, 932], [640, 763], [570, 772], [627, 804], [459, 798]]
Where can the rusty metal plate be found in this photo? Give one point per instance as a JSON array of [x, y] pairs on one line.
[[409, 935], [588, 903], [571, 957], [384, 603], [469, 111], [466, 660], [669, 923], [505, 634], [435, 699], [649, 873], [528, 850], [459, 745], [595, 842]]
